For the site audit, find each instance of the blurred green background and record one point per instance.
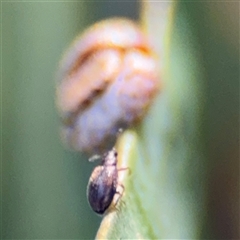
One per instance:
(43, 185)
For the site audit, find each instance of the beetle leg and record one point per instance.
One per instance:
(125, 168)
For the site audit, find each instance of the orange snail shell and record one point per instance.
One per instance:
(106, 81)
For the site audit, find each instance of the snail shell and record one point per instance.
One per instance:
(106, 81)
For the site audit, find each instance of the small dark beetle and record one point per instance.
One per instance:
(103, 182)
